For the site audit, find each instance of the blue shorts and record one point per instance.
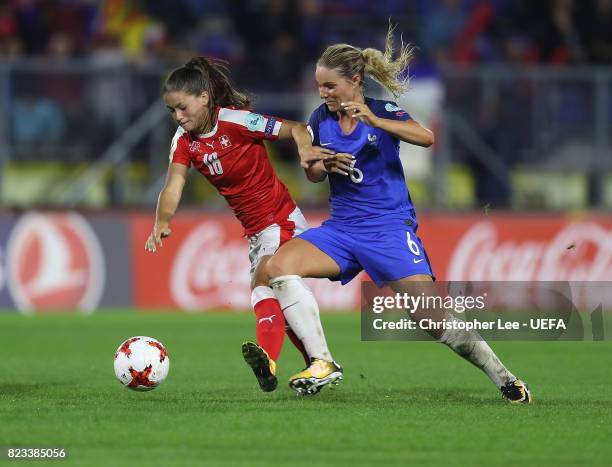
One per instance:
(385, 256)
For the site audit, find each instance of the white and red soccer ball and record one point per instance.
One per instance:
(141, 363)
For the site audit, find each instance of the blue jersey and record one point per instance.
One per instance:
(375, 196)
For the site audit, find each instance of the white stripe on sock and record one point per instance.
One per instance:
(259, 293)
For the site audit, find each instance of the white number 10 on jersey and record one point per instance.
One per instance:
(213, 163)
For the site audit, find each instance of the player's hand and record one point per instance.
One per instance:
(360, 111)
(160, 231)
(311, 154)
(340, 163)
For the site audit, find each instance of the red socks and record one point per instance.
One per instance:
(270, 324)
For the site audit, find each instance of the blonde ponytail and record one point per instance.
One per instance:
(387, 71)
(381, 67)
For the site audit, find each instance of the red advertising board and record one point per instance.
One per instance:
(204, 264)
(61, 261)
(519, 247)
(54, 263)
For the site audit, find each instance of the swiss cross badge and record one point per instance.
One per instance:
(225, 141)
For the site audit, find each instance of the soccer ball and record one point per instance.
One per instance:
(141, 363)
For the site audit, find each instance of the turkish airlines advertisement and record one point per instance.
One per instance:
(59, 261)
(62, 261)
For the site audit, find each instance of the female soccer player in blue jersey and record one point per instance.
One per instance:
(373, 223)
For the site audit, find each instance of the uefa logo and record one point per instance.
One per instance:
(54, 262)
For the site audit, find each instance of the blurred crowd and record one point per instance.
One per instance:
(268, 38)
(283, 36)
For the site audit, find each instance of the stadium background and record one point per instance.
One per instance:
(518, 94)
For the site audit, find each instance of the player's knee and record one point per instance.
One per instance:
(260, 276)
(258, 282)
(280, 266)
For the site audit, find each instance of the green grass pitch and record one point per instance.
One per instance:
(401, 403)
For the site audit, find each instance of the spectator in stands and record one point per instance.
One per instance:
(442, 25)
(11, 48)
(597, 33)
(37, 120)
(106, 94)
(274, 45)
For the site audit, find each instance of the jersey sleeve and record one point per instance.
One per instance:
(313, 126)
(178, 150)
(390, 110)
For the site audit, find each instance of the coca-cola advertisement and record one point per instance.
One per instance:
(519, 247)
(204, 265)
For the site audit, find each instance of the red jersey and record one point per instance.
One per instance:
(234, 159)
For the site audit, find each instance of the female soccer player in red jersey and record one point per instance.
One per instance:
(223, 140)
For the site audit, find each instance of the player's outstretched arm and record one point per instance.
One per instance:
(408, 131)
(316, 172)
(309, 154)
(167, 203)
(340, 163)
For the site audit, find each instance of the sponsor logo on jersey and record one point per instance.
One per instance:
(55, 262)
(225, 141)
(211, 145)
(255, 122)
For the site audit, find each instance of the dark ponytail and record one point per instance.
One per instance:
(210, 75)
